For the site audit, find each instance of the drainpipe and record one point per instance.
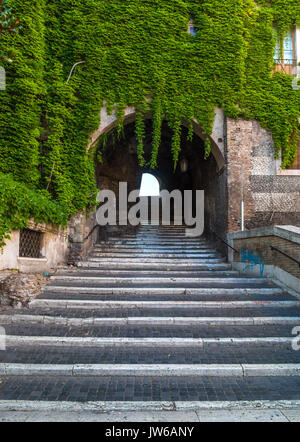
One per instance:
(73, 68)
(241, 166)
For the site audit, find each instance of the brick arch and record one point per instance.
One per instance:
(109, 121)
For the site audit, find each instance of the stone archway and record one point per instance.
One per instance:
(120, 163)
(217, 138)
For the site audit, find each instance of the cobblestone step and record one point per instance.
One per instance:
(246, 353)
(160, 297)
(145, 389)
(152, 312)
(151, 331)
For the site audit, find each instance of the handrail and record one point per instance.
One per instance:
(224, 242)
(86, 238)
(285, 254)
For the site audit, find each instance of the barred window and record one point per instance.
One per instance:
(30, 243)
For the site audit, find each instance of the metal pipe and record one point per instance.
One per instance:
(73, 68)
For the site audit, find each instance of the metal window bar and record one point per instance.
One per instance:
(30, 243)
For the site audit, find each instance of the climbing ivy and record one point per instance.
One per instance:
(135, 53)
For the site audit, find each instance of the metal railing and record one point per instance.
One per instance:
(224, 242)
(86, 238)
(285, 254)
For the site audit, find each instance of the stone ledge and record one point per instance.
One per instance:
(33, 265)
(290, 233)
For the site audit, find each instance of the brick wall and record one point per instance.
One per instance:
(269, 198)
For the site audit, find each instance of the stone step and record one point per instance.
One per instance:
(150, 273)
(63, 393)
(157, 351)
(154, 242)
(154, 248)
(164, 330)
(154, 255)
(144, 411)
(212, 344)
(219, 296)
(160, 370)
(152, 312)
(152, 265)
(167, 233)
(96, 305)
(162, 280)
(170, 291)
(170, 321)
(158, 260)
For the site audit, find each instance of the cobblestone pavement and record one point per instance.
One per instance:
(148, 389)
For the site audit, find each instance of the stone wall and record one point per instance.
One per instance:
(81, 237)
(54, 249)
(268, 243)
(270, 198)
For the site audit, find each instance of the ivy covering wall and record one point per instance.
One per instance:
(132, 50)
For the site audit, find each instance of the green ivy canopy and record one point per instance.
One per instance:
(131, 50)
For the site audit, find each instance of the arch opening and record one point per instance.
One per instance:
(149, 185)
(193, 171)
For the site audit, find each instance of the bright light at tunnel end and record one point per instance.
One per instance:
(133, 208)
(149, 185)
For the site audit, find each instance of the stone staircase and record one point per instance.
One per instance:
(152, 321)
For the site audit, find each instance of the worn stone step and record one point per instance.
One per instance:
(162, 290)
(152, 312)
(156, 238)
(158, 260)
(174, 297)
(171, 265)
(162, 280)
(149, 273)
(154, 255)
(95, 305)
(42, 343)
(151, 331)
(152, 392)
(154, 248)
(185, 244)
(160, 370)
(164, 352)
(155, 321)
